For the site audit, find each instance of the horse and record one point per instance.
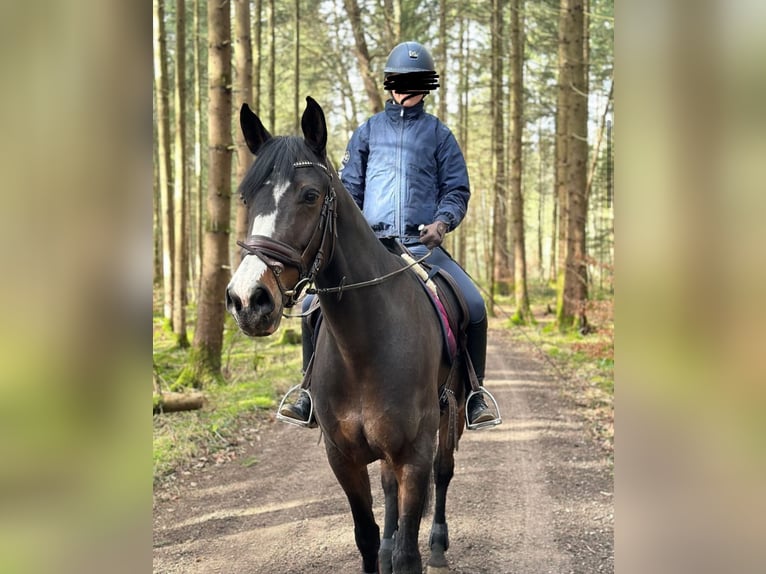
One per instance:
(379, 361)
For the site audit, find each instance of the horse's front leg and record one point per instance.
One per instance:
(355, 482)
(390, 492)
(413, 479)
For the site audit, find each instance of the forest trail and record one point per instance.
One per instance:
(531, 496)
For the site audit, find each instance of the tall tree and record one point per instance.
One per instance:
(501, 263)
(196, 194)
(205, 358)
(441, 59)
(297, 66)
(363, 56)
(272, 80)
(257, 56)
(180, 191)
(243, 58)
(163, 154)
(522, 313)
(573, 292)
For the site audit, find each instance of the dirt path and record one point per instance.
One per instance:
(532, 496)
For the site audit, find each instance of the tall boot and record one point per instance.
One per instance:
(301, 409)
(476, 344)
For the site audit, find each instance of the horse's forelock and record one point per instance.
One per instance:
(275, 161)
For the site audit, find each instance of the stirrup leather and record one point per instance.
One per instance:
(486, 424)
(280, 417)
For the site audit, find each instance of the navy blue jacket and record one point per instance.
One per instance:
(404, 168)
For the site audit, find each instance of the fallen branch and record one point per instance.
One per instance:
(171, 402)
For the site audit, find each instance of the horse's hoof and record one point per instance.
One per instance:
(385, 556)
(437, 558)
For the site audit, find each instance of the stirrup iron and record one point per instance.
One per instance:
(280, 417)
(486, 424)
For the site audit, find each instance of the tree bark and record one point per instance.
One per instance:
(363, 56)
(257, 56)
(297, 68)
(163, 153)
(574, 290)
(180, 235)
(272, 66)
(205, 357)
(196, 195)
(441, 60)
(522, 314)
(501, 275)
(243, 58)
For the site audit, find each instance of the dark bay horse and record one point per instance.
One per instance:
(379, 362)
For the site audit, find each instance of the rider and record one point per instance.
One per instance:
(407, 174)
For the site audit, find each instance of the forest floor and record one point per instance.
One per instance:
(531, 496)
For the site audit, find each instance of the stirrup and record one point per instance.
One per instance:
(292, 421)
(486, 424)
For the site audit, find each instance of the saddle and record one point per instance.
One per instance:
(451, 308)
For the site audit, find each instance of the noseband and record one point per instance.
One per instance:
(276, 254)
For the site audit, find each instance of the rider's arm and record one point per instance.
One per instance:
(454, 187)
(354, 167)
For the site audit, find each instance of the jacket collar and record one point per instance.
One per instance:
(395, 111)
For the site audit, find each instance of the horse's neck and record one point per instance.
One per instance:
(359, 256)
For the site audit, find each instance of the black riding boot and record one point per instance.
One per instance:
(301, 409)
(476, 345)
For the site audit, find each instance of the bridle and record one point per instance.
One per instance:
(277, 254)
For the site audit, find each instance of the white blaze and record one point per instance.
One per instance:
(252, 268)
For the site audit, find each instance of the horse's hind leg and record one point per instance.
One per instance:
(390, 488)
(355, 482)
(444, 469)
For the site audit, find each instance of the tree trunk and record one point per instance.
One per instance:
(163, 155)
(464, 70)
(441, 60)
(363, 56)
(180, 235)
(522, 313)
(196, 195)
(205, 357)
(272, 66)
(574, 290)
(257, 56)
(297, 68)
(501, 275)
(243, 58)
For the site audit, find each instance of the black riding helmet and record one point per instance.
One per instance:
(410, 70)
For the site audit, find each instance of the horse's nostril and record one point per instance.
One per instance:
(261, 300)
(233, 302)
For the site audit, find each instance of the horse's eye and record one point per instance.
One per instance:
(309, 195)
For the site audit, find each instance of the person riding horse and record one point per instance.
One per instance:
(407, 174)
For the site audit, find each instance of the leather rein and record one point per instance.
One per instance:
(277, 254)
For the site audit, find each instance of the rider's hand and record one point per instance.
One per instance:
(432, 235)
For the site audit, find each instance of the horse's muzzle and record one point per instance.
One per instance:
(256, 312)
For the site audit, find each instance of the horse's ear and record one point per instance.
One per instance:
(314, 126)
(255, 134)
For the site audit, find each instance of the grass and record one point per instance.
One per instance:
(256, 373)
